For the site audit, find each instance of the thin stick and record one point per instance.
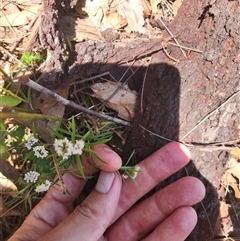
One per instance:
(27, 81)
(216, 148)
(187, 48)
(211, 113)
(88, 79)
(154, 134)
(143, 84)
(60, 178)
(168, 55)
(172, 36)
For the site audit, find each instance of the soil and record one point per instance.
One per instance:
(193, 98)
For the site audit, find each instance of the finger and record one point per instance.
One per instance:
(111, 160)
(153, 170)
(146, 215)
(177, 227)
(90, 219)
(56, 206)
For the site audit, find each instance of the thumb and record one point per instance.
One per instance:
(91, 218)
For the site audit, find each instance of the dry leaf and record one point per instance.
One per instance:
(235, 171)
(154, 5)
(79, 29)
(133, 11)
(235, 153)
(51, 107)
(123, 101)
(104, 15)
(231, 177)
(95, 10)
(20, 18)
(7, 186)
(44, 102)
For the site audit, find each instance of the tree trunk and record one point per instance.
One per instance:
(194, 100)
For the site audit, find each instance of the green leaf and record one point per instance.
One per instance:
(9, 101)
(18, 132)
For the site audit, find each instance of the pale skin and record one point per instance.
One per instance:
(109, 213)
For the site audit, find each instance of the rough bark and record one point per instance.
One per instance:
(174, 103)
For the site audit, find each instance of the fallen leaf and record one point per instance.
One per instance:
(235, 153)
(154, 5)
(20, 18)
(49, 106)
(231, 177)
(123, 101)
(44, 102)
(104, 14)
(7, 186)
(79, 29)
(133, 12)
(95, 10)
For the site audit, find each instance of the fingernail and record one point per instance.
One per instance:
(105, 181)
(110, 151)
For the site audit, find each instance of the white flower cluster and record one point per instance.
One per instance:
(43, 187)
(132, 173)
(65, 148)
(40, 151)
(31, 176)
(30, 142)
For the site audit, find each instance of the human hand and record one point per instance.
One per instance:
(109, 213)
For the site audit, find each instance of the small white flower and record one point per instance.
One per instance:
(79, 145)
(30, 142)
(43, 187)
(40, 151)
(131, 172)
(124, 176)
(31, 176)
(136, 169)
(64, 148)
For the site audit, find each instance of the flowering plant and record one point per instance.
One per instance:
(46, 161)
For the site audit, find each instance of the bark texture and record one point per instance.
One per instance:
(177, 97)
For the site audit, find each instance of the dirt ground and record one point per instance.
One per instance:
(183, 61)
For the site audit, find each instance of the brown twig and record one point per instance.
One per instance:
(187, 48)
(172, 37)
(168, 55)
(216, 148)
(27, 81)
(59, 175)
(86, 80)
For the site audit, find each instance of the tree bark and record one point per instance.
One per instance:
(174, 103)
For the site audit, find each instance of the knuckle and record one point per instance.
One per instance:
(87, 210)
